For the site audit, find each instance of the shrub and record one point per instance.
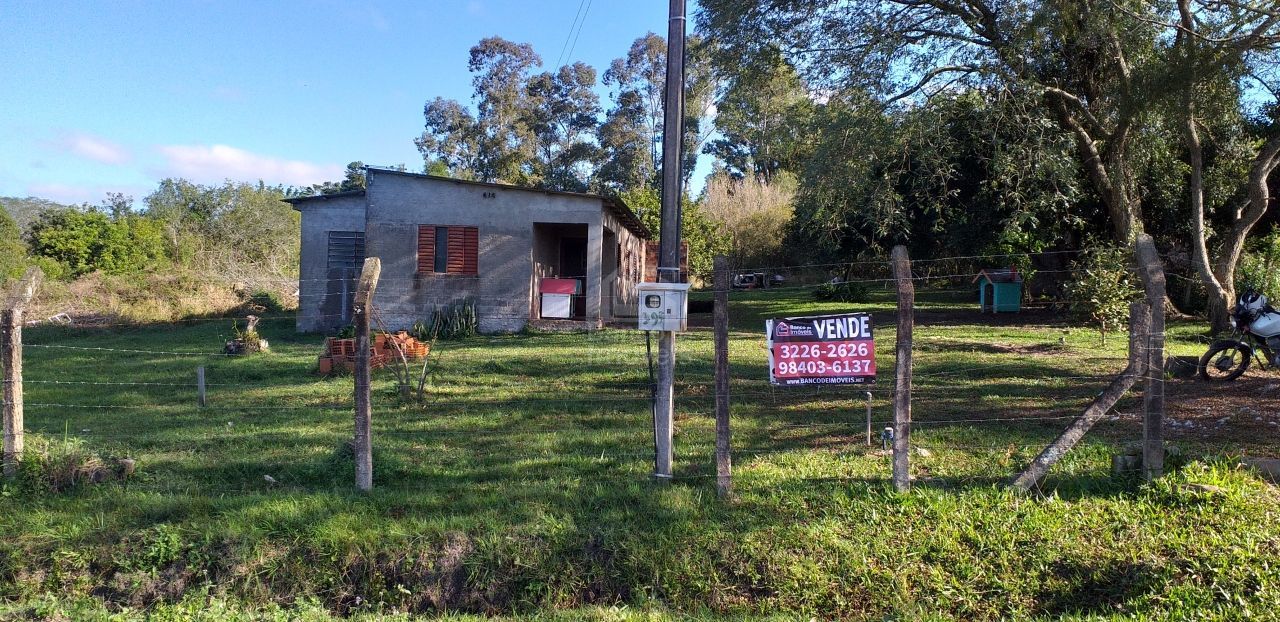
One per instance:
(1101, 287)
(842, 292)
(87, 241)
(1259, 268)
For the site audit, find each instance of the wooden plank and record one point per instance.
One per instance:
(361, 310)
(724, 467)
(902, 370)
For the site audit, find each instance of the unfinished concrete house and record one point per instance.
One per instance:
(521, 255)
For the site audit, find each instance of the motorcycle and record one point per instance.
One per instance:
(1257, 335)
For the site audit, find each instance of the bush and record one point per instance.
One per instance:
(842, 292)
(1260, 266)
(87, 241)
(1101, 287)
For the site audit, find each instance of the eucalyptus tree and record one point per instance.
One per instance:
(631, 135)
(562, 114)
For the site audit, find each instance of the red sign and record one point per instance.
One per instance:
(831, 349)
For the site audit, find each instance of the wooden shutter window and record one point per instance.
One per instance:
(426, 249)
(461, 250)
(464, 248)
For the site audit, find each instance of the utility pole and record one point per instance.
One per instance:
(669, 243)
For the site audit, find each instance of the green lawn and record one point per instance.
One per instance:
(522, 488)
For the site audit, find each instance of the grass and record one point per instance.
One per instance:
(522, 488)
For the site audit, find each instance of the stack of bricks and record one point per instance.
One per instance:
(341, 353)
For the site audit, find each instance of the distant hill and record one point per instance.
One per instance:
(23, 211)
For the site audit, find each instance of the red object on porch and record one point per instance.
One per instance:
(559, 286)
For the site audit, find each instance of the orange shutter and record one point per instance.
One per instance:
(470, 250)
(426, 249)
(463, 250)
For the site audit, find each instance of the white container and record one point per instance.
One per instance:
(557, 305)
(662, 306)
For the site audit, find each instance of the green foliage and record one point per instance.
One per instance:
(454, 321)
(704, 235)
(1260, 266)
(12, 249)
(842, 292)
(1101, 288)
(85, 241)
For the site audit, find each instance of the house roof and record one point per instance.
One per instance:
(612, 203)
(336, 195)
(999, 275)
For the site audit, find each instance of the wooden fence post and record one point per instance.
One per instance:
(902, 372)
(200, 390)
(11, 359)
(724, 466)
(1153, 395)
(360, 315)
(1139, 329)
(868, 418)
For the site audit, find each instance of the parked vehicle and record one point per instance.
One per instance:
(1257, 335)
(754, 280)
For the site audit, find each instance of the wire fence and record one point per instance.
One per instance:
(551, 398)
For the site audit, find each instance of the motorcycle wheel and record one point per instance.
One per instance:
(1225, 360)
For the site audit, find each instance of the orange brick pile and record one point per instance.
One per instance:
(342, 352)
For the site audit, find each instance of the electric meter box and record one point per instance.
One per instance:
(663, 306)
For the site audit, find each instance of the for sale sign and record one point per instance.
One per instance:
(827, 349)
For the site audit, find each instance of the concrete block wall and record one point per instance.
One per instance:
(398, 203)
(319, 296)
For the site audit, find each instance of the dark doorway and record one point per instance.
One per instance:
(573, 265)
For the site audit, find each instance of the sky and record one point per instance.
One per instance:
(115, 95)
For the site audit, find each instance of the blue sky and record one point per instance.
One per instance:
(114, 95)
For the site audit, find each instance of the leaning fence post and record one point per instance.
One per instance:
(902, 375)
(11, 359)
(1153, 395)
(1139, 328)
(360, 315)
(724, 466)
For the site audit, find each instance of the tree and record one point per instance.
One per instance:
(85, 241)
(631, 138)
(562, 113)
(763, 117)
(451, 141)
(500, 69)
(1089, 64)
(1218, 47)
(13, 251)
(696, 227)
(236, 230)
(1106, 71)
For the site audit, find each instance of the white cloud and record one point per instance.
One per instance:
(72, 194)
(214, 163)
(94, 148)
